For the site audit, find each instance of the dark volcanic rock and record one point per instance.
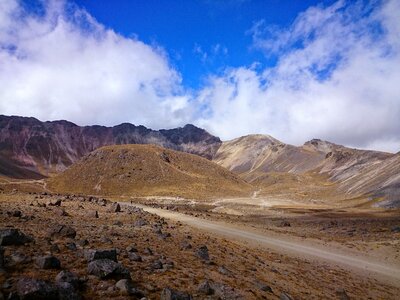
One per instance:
(170, 294)
(93, 214)
(1, 258)
(28, 288)
(54, 202)
(91, 254)
(62, 231)
(205, 288)
(125, 286)
(115, 207)
(106, 268)
(13, 237)
(69, 277)
(134, 257)
(202, 252)
(285, 296)
(342, 295)
(48, 262)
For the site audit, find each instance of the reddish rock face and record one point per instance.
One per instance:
(30, 148)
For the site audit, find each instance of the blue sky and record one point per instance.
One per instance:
(201, 37)
(296, 70)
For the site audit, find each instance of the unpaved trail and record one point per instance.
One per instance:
(355, 262)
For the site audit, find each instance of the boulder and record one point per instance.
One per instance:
(1, 258)
(202, 252)
(93, 214)
(115, 207)
(285, 296)
(29, 288)
(170, 294)
(54, 202)
(205, 288)
(48, 262)
(91, 254)
(58, 211)
(13, 236)
(342, 295)
(125, 286)
(134, 257)
(63, 231)
(140, 223)
(69, 277)
(107, 268)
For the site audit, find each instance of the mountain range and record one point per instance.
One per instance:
(30, 148)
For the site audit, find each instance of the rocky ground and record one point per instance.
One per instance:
(72, 247)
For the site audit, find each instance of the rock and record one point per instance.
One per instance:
(13, 237)
(83, 242)
(48, 262)
(18, 258)
(202, 252)
(54, 248)
(157, 265)
(93, 214)
(396, 229)
(69, 277)
(185, 245)
(62, 231)
(71, 246)
(1, 257)
(28, 288)
(106, 240)
(125, 286)
(115, 207)
(263, 287)
(148, 251)
(140, 223)
(170, 294)
(285, 296)
(60, 212)
(67, 292)
(284, 224)
(118, 223)
(224, 271)
(342, 295)
(205, 288)
(91, 254)
(54, 202)
(131, 249)
(134, 257)
(16, 214)
(107, 268)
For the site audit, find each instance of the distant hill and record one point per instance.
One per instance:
(330, 169)
(148, 170)
(30, 148)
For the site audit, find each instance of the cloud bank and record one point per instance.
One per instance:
(336, 76)
(63, 64)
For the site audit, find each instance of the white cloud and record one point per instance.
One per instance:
(337, 78)
(65, 65)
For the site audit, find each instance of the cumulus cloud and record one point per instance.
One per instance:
(337, 78)
(60, 63)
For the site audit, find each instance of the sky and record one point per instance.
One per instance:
(295, 70)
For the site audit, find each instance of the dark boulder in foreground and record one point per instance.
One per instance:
(92, 254)
(29, 288)
(62, 231)
(170, 294)
(13, 236)
(48, 262)
(107, 268)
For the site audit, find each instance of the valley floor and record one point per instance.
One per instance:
(250, 256)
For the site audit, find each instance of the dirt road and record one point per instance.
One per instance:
(352, 261)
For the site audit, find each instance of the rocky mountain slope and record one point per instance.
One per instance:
(148, 170)
(259, 158)
(30, 148)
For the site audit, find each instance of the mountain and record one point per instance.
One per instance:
(148, 170)
(317, 165)
(30, 148)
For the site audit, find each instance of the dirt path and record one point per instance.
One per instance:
(356, 262)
